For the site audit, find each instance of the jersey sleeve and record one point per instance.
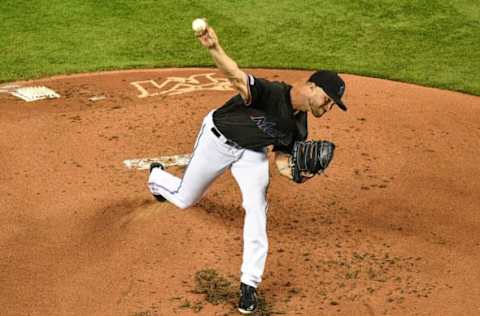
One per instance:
(257, 88)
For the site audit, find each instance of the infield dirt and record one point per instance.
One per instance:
(391, 229)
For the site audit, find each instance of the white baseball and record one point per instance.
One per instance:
(199, 25)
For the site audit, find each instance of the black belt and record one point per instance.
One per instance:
(227, 141)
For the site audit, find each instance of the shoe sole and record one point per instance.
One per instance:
(159, 198)
(245, 312)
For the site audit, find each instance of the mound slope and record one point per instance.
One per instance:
(392, 228)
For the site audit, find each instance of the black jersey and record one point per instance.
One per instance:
(269, 119)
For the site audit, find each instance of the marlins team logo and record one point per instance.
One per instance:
(182, 85)
(267, 127)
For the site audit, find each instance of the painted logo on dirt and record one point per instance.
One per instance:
(181, 85)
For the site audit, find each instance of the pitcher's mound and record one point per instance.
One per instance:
(392, 228)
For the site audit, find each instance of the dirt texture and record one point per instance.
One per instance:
(391, 229)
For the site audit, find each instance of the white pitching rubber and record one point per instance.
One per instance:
(166, 161)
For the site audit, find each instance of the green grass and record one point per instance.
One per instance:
(433, 43)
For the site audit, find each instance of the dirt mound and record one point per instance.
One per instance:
(391, 229)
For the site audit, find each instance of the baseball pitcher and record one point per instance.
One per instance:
(236, 135)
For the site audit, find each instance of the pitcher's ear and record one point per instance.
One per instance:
(311, 85)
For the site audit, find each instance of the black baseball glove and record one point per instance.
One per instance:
(309, 158)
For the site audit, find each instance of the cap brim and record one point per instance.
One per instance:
(340, 104)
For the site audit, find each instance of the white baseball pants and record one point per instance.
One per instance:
(210, 158)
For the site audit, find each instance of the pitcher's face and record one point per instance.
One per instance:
(318, 101)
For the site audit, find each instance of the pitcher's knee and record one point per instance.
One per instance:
(257, 245)
(264, 244)
(259, 204)
(184, 203)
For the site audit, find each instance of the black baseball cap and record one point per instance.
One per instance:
(332, 84)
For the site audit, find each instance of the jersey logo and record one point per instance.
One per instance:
(267, 127)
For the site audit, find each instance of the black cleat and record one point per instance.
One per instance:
(154, 165)
(248, 299)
